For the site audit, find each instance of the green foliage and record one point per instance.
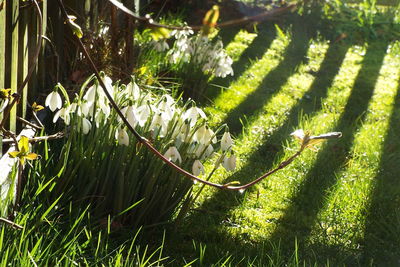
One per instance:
(362, 21)
(103, 165)
(57, 233)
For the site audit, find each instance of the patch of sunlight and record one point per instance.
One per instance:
(247, 82)
(274, 197)
(239, 44)
(342, 221)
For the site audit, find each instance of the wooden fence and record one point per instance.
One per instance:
(18, 40)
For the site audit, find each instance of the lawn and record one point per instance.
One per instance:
(337, 205)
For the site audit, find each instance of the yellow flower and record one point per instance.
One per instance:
(36, 107)
(23, 151)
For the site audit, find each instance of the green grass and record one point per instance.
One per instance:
(336, 206)
(339, 205)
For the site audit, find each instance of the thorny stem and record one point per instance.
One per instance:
(147, 143)
(149, 21)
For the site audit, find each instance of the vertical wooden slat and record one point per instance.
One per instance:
(2, 52)
(13, 27)
(41, 60)
(32, 41)
(23, 59)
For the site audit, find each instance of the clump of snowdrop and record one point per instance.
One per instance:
(195, 58)
(178, 130)
(200, 51)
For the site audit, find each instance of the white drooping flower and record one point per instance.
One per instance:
(158, 125)
(192, 115)
(229, 163)
(133, 89)
(130, 115)
(226, 141)
(197, 168)
(209, 151)
(173, 155)
(205, 135)
(53, 101)
(86, 126)
(90, 94)
(224, 66)
(84, 108)
(108, 83)
(143, 113)
(122, 136)
(161, 45)
(167, 109)
(64, 114)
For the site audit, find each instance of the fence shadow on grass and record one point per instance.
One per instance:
(254, 51)
(295, 55)
(318, 90)
(311, 194)
(382, 233)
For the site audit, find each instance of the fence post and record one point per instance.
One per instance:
(2, 53)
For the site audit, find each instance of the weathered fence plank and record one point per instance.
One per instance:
(2, 52)
(12, 27)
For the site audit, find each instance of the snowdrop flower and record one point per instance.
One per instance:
(205, 135)
(192, 114)
(84, 108)
(130, 115)
(53, 101)
(161, 45)
(86, 126)
(108, 83)
(224, 66)
(64, 114)
(105, 108)
(197, 168)
(173, 155)
(182, 33)
(90, 95)
(122, 136)
(143, 113)
(226, 141)
(158, 124)
(209, 151)
(134, 90)
(183, 134)
(200, 150)
(167, 109)
(229, 163)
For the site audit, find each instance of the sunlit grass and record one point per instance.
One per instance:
(337, 195)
